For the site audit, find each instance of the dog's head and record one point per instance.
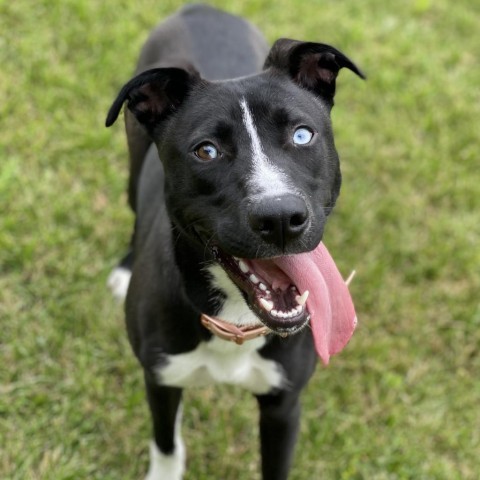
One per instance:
(250, 165)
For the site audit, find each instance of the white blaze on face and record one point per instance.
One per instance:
(265, 178)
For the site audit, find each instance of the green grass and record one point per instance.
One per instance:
(401, 402)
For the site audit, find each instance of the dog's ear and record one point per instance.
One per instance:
(153, 94)
(313, 66)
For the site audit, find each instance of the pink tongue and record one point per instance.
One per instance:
(333, 318)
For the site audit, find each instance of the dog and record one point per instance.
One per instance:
(233, 174)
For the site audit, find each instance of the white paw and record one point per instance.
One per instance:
(166, 467)
(118, 282)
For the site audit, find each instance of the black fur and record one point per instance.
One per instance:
(185, 205)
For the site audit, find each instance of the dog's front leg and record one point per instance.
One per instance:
(279, 422)
(167, 451)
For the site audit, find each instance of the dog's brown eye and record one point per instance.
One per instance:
(206, 151)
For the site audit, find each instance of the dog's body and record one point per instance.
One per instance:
(247, 177)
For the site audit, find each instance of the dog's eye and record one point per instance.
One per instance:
(206, 151)
(302, 136)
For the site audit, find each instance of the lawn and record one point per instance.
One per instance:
(403, 399)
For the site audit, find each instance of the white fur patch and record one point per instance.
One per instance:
(234, 310)
(265, 179)
(219, 361)
(172, 466)
(118, 282)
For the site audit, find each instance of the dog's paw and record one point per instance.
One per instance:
(118, 282)
(164, 466)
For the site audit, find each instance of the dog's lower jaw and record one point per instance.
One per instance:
(278, 305)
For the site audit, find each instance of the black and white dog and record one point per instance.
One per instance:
(233, 173)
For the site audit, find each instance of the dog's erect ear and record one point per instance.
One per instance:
(313, 66)
(154, 94)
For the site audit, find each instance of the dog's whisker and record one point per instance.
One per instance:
(207, 245)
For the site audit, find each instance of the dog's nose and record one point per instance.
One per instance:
(279, 219)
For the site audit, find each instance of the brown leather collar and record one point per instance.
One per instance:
(230, 332)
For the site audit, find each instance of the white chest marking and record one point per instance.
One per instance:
(219, 361)
(266, 179)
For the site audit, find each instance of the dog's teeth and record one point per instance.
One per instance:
(262, 286)
(254, 279)
(301, 300)
(243, 266)
(268, 306)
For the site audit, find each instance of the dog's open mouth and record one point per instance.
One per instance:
(273, 296)
(289, 291)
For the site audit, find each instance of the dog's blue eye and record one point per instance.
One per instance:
(302, 136)
(206, 151)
